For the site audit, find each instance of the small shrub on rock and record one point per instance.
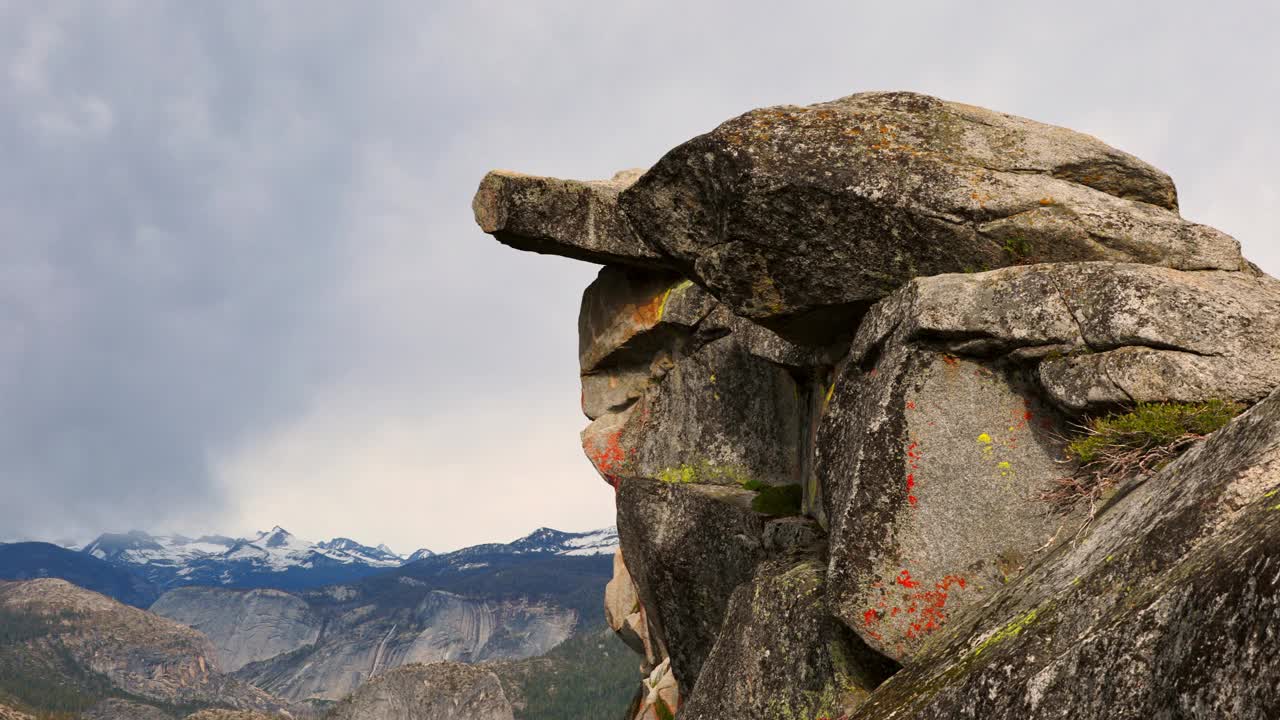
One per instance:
(1120, 446)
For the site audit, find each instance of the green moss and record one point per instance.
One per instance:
(1008, 632)
(682, 474)
(664, 712)
(778, 500)
(702, 471)
(1151, 426)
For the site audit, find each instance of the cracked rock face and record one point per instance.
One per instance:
(1166, 608)
(786, 211)
(680, 390)
(781, 654)
(1108, 334)
(688, 547)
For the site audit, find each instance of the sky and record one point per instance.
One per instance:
(241, 285)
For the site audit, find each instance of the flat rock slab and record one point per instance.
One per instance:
(1166, 608)
(787, 211)
(572, 218)
(781, 655)
(1156, 334)
(1104, 334)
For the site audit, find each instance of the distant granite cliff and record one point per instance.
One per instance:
(489, 602)
(919, 410)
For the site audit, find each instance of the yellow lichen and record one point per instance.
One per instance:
(1008, 632)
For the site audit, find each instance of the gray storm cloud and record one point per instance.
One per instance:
(239, 280)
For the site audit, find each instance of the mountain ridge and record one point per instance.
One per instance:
(136, 567)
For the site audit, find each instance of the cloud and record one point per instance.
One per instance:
(240, 284)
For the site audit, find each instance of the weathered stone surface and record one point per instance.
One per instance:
(573, 218)
(1104, 333)
(781, 655)
(626, 616)
(620, 598)
(1166, 608)
(244, 625)
(814, 301)
(631, 323)
(927, 471)
(794, 536)
(766, 344)
(688, 546)
(1159, 334)
(717, 414)
(790, 214)
(659, 696)
(440, 691)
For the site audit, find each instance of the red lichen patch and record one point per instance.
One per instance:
(913, 458)
(932, 606)
(927, 607)
(608, 459)
(951, 360)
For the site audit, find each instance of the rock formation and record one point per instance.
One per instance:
(832, 366)
(365, 635)
(149, 658)
(245, 626)
(440, 691)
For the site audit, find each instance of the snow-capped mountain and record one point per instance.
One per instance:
(543, 541)
(421, 554)
(273, 558)
(596, 542)
(276, 558)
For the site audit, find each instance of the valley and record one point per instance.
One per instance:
(528, 610)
